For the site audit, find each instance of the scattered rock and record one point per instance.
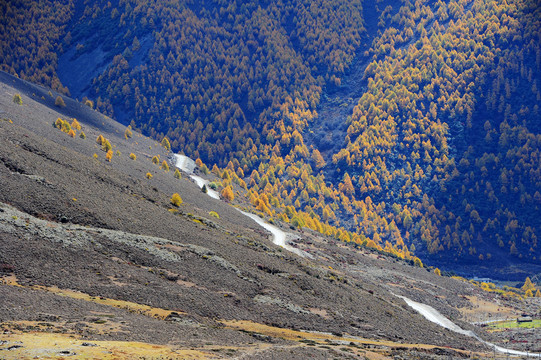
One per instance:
(173, 317)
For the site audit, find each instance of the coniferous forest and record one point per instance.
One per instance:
(433, 108)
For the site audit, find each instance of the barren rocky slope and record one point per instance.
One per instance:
(93, 251)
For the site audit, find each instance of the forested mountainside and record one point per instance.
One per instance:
(440, 155)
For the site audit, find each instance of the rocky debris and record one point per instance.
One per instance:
(263, 299)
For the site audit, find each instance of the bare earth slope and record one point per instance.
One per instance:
(93, 252)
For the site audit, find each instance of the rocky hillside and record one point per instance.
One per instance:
(97, 260)
(412, 127)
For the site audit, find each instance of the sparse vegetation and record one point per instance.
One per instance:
(59, 102)
(214, 214)
(17, 99)
(64, 126)
(82, 135)
(227, 194)
(176, 200)
(165, 166)
(75, 125)
(128, 133)
(109, 155)
(156, 160)
(177, 174)
(166, 144)
(133, 156)
(148, 175)
(106, 145)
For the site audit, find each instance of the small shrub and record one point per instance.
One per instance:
(58, 123)
(166, 144)
(100, 139)
(215, 214)
(82, 135)
(89, 103)
(205, 169)
(176, 200)
(17, 99)
(62, 125)
(71, 133)
(165, 166)
(227, 194)
(118, 153)
(59, 102)
(50, 93)
(149, 175)
(106, 145)
(109, 155)
(128, 133)
(156, 160)
(66, 127)
(95, 156)
(177, 174)
(204, 189)
(75, 125)
(132, 156)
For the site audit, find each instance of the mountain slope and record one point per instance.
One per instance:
(99, 252)
(443, 139)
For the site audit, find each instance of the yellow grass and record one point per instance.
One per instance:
(49, 346)
(121, 304)
(323, 338)
(485, 307)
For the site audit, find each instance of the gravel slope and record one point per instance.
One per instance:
(74, 222)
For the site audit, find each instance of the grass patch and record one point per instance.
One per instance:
(513, 324)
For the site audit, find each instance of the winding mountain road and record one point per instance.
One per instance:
(279, 237)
